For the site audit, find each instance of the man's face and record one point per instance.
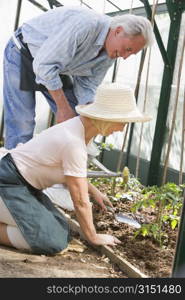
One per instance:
(118, 44)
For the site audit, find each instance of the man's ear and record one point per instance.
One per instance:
(119, 29)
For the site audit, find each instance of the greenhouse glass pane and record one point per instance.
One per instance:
(174, 157)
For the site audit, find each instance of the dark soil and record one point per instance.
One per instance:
(144, 253)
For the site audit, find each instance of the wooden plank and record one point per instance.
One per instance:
(123, 264)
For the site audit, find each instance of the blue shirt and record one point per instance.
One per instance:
(68, 40)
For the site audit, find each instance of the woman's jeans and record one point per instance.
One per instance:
(19, 105)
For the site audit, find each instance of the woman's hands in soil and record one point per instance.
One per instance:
(101, 199)
(106, 239)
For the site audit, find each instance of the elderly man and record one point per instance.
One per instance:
(70, 50)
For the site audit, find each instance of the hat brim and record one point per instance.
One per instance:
(91, 112)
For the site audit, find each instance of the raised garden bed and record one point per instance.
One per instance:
(148, 251)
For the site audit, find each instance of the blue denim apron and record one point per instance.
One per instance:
(44, 228)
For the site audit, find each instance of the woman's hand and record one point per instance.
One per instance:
(101, 199)
(79, 189)
(105, 239)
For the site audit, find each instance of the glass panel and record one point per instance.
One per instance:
(156, 67)
(174, 157)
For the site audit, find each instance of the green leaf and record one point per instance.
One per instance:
(173, 223)
(144, 231)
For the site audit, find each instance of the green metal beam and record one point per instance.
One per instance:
(175, 11)
(18, 11)
(181, 6)
(139, 11)
(113, 4)
(38, 5)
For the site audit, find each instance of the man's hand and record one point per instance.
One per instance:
(64, 113)
(64, 110)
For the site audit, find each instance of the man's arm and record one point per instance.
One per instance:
(86, 86)
(64, 110)
(78, 187)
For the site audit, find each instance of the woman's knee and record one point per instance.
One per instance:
(4, 239)
(12, 237)
(16, 238)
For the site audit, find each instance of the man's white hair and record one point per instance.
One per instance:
(134, 25)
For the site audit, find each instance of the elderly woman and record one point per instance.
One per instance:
(29, 220)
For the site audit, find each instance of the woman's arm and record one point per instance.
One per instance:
(101, 199)
(78, 188)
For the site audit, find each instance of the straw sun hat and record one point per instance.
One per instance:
(113, 103)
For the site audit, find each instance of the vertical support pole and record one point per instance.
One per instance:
(115, 71)
(136, 96)
(113, 80)
(17, 14)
